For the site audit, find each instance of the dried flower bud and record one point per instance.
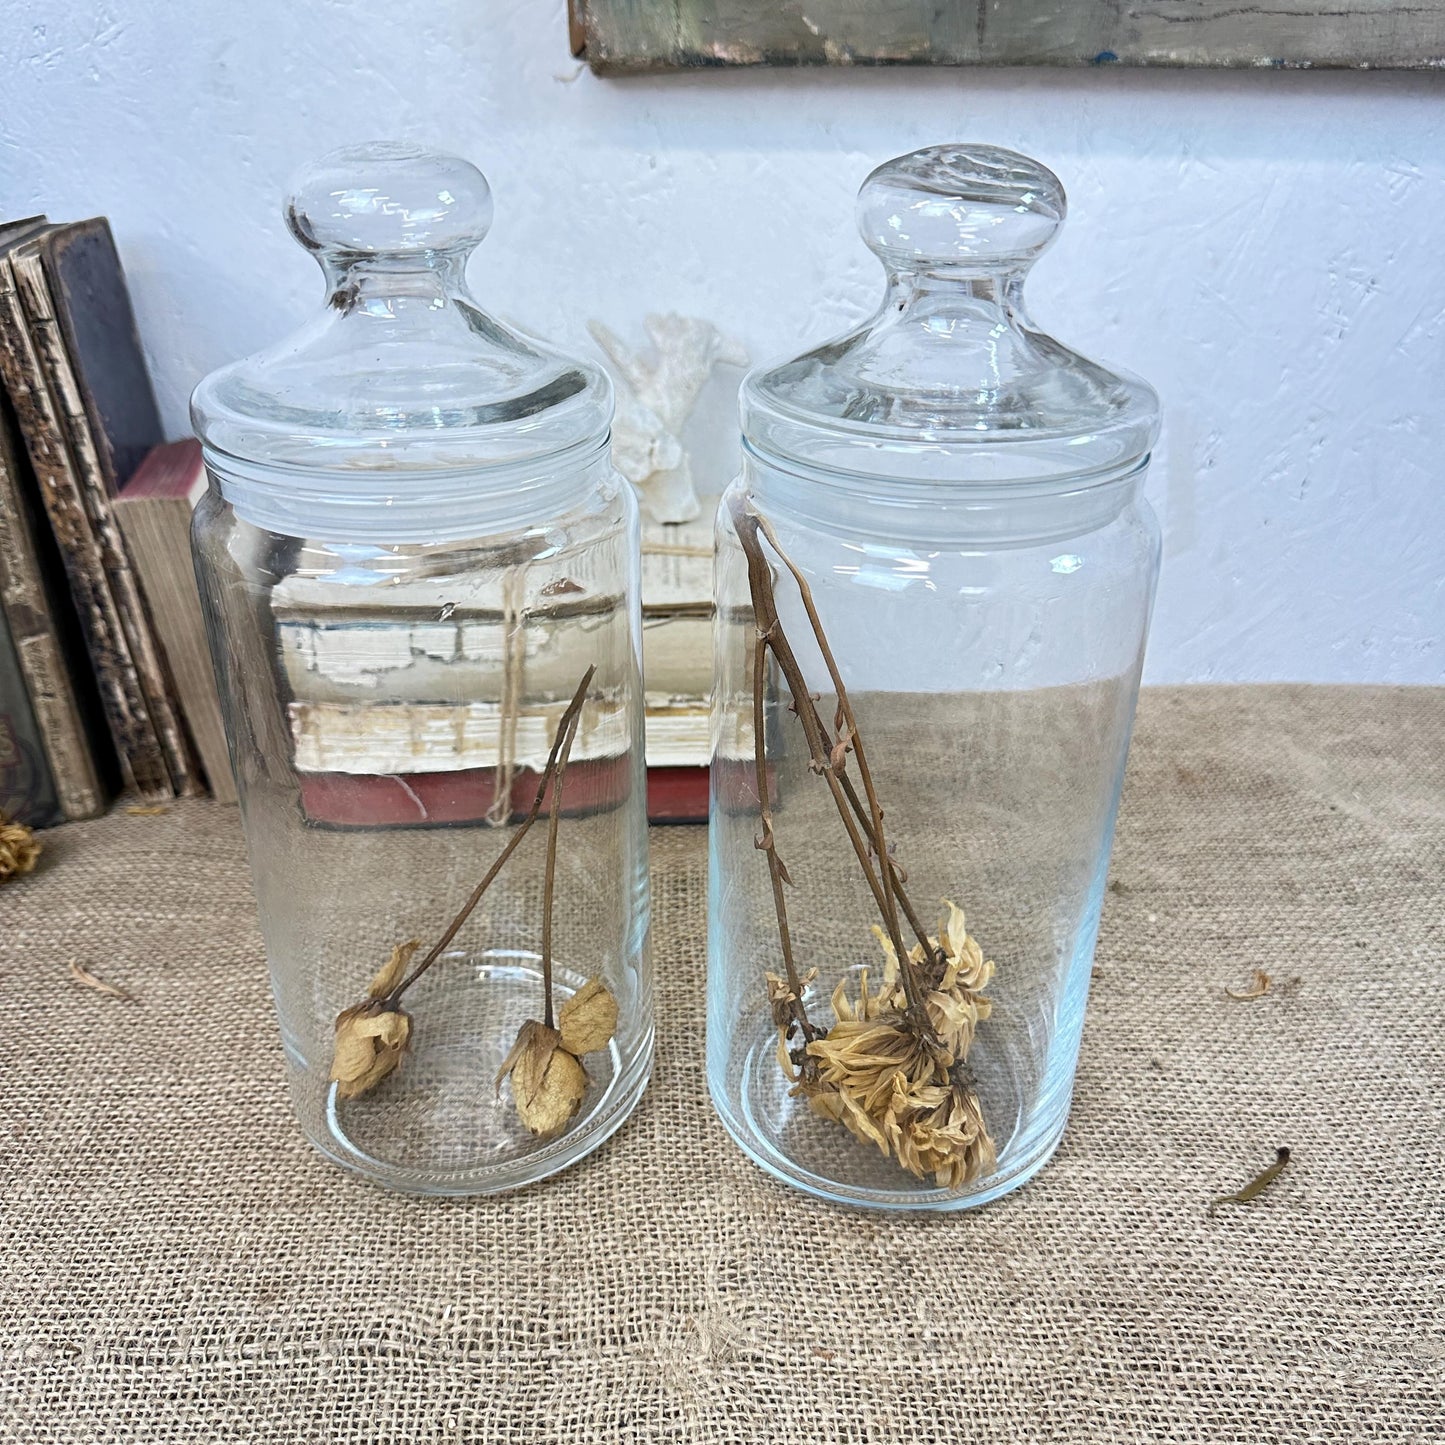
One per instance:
(393, 970)
(370, 1042)
(19, 848)
(547, 1081)
(588, 1019)
(781, 997)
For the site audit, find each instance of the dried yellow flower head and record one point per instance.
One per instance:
(548, 1083)
(370, 1042)
(956, 973)
(19, 848)
(587, 1021)
(939, 1130)
(894, 1084)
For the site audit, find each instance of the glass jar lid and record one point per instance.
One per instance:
(403, 385)
(950, 382)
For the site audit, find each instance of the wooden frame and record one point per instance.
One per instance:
(621, 36)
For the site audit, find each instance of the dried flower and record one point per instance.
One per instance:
(956, 973)
(548, 1080)
(783, 998)
(587, 1021)
(370, 1041)
(891, 1069)
(372, 1037)
(19, 848)
(939, 1130)
(548, 1083)
(898, 1086)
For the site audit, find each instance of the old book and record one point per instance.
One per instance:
(27, 788)
(439, 640)
(679, 748)
(677, 566)
(48, 650)
(468, 796)
(91, 305)
(677, 608)
(154, 510)
(416, 764)
(77, 309)
(142, 761)
(677, 665)
(410, 737)
(677, 657)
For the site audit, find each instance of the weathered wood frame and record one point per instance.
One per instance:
(621, 36)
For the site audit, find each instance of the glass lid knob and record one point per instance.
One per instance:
(389, 199)
(971, 207)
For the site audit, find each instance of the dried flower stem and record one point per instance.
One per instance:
(828, 757)
(565, 727)
(569, 728)
(768, 842)
(846, 724)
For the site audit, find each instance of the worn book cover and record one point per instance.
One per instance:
(154, 511)
(142, 763)
(27, 790)
(92, 308)
(35, 604)
(100, 384)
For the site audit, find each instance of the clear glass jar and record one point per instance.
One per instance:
(958, 499)
(413, 555)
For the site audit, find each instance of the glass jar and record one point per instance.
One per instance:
(420, 574)
(934, 582)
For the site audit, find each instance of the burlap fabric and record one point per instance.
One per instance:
(177, 1266)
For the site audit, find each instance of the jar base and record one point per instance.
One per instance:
(450, 1132)
(784, 1137)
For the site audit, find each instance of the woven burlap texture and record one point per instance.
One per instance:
(176, 1265)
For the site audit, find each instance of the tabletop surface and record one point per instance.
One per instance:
(176, 1265)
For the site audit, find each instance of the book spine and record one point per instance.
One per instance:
(133, 617)
(157, 531)
(24, 605)
(142, 763)
(27, 786)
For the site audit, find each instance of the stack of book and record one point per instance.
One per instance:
(89, 694)
(414, 700)
(677, 665)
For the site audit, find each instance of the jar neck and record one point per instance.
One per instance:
(412, 506)
(988, 515)
(379, 284)
(967, 290)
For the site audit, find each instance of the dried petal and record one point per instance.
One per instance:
(588, 1019)
(370, 1042)
(547, 1082)
(781, 996)
(1259, 982)
(19, 849)
(84, 976)
(393, 970)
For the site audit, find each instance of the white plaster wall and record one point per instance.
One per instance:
(1265, 247)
